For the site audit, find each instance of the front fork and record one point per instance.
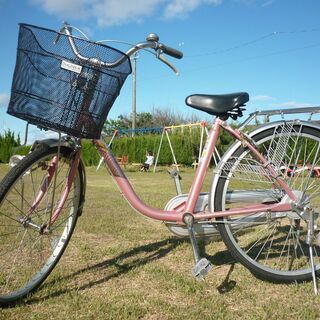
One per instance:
(69, 181)
(50, 178)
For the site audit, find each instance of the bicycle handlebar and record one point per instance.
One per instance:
(151, 43)
(171, 51)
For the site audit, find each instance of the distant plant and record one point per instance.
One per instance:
(90, 154)
(8, 144)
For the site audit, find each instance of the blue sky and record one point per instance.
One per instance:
(269, 48)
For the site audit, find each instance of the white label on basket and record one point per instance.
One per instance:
(71, 66)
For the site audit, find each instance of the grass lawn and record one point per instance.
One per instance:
(120, 265)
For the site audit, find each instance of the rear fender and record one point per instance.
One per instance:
(237, 144)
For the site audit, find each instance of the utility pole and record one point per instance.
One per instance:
(134, 91)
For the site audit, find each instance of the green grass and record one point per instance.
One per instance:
(120, 265)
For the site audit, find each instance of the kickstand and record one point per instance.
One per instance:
(202, 265)
(176, 177)
(314, 276)
(310, 243)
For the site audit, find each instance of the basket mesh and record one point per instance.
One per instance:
(53, 89)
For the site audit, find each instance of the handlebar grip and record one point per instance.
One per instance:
(171, 51)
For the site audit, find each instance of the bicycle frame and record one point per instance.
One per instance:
(188, 207)
(273, 220)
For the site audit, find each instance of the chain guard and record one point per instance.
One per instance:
(208, 229)
(203, 229)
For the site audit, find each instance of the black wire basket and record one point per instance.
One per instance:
(53, 89)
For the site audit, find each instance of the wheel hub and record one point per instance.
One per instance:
(301, 209)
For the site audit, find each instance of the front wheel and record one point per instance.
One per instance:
(273, 246)
(28, 251)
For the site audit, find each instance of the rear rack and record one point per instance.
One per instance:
(280, 112)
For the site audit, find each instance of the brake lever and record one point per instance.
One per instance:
(171, 66)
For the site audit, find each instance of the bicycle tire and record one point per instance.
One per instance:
(272, 246)
(29, 255)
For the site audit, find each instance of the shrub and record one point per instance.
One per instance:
(185, 145)
(8, 144)
(90, 154)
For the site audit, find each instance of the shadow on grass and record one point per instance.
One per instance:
(227, 285)
(125, 262)
(219, 259)
(132, 259)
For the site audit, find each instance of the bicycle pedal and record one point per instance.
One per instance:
(201, 269)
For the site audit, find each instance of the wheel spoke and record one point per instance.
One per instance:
(263, 232)
(13, 262)
(27, 252)
(266, 241)
(274, 247)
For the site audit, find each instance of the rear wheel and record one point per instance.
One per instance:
(28, 251)
(273, 246)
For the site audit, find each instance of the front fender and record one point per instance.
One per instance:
(52, 142)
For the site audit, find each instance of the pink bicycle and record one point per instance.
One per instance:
(266, 217)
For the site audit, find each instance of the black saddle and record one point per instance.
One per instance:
(220, 105)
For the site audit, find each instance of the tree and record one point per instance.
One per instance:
(159, 117)
(143, 120)
(111, 125)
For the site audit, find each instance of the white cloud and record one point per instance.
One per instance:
(294, 104)
(256, 3)
(37, 134)
(65, 9)
(180, 8)
(115, 12)
(268, 3)
(4, 100)
(261, 98)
